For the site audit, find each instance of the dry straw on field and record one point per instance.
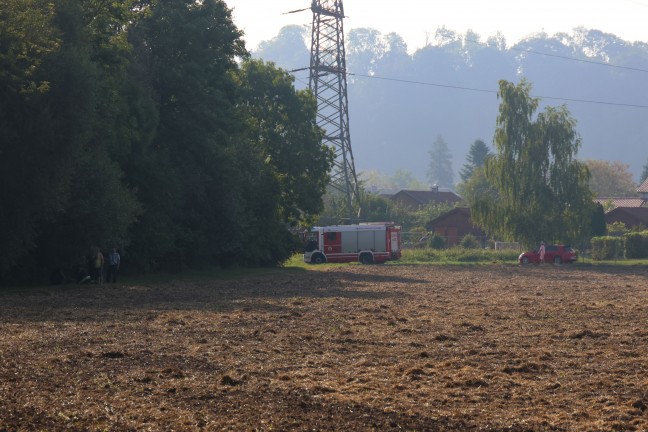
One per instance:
(348, 348)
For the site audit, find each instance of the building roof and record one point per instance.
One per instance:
(621, 202)
(633, 215)
(643, 188)
(424, 197)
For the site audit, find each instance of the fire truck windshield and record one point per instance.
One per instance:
(311, 241)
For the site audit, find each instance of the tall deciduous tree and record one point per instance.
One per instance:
(185, 55)
(33, 171)
(610, 178)
(100, 207)
(542, 191)
(440, 168)
(281, 123)
(286, 163)
(59, 185)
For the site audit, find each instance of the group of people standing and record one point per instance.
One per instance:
(96, 263)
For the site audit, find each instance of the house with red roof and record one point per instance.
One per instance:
(642, 190)
(610, 203)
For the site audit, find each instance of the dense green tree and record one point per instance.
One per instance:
(376, 208)
(185, 54)
(33, 171)
(440, 168)
(133, 124)
(54, 150)
(288, 164)
(280, 120)
(99, 212)
(597, 222)
(541, 189)
(100, 208)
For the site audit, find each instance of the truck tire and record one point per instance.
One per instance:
(318, 259)
(366, 258)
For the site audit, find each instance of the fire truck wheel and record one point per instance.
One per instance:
(318, 259)
(366, 258)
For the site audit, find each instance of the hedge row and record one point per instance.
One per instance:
(636, 245)
(630, 245)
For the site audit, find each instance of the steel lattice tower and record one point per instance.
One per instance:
(328, 84)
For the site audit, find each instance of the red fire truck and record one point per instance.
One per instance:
(368, 243)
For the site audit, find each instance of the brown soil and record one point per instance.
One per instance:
(354, 348)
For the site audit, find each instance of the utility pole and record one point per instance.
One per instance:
(328, 84)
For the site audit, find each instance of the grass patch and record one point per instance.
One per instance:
(425, 256)
(458, 256)
(619, 262)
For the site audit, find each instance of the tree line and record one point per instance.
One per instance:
(145, 125)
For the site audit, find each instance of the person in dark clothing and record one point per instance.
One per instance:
(114, 259)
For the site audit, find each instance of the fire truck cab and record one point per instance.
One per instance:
(367, 243)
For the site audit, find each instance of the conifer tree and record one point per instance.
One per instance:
(440, 169)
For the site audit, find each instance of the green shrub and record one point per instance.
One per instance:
(617, 229)
(436, 242)
(607, 247)
(458, 255)
(636, 244)
(469, 241)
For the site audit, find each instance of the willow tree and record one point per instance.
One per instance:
(539, 191)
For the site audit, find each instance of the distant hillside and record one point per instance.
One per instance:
(399, 103)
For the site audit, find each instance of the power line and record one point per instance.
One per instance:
(473, 89)
(422, 83)
(494, 91)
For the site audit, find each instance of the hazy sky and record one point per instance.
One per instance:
(415, 20)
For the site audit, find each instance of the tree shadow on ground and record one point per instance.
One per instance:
(264, 293)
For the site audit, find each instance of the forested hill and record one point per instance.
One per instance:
(143, 125)
(400, 103)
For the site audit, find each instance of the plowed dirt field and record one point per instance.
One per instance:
(352, 348)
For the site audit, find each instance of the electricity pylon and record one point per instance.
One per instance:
(328, 84)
